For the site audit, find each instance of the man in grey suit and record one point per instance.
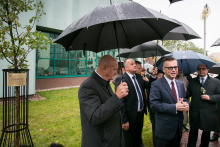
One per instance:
(99, 106)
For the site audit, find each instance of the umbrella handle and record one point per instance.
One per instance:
(149, 71)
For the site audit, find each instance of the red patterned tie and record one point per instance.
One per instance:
(174, 91)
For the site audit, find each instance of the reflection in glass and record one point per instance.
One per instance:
(61, 67)
(72, 54)
(80, 67)
(90, 66)
(45, 68)
(80, 55)
(61, 52)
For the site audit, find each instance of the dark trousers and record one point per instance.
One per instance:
(193, 136)
(175, 142)
(133, 137)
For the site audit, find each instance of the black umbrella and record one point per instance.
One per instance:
(173, 1)
(216, 43)
(183, 32)
(123, 25)
(144, 50)
(215, 69)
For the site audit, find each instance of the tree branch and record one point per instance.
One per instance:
(6, 56)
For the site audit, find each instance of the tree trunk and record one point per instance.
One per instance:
(17, 115)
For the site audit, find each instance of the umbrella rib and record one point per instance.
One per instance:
(125, 34)
(99, 37)
(153, 29)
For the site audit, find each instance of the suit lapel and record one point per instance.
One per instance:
(128, 79)
(178, 87)
(167, 87)
(206, 81)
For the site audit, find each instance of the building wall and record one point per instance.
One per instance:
(215, 56)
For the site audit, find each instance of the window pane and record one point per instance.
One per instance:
(72, 67)
(112, 53)
(61, 67)
(44, 67)
(60, 52)
(72, 54)
(80, 55)
(90, 66)
(99, 55)
(80, 67)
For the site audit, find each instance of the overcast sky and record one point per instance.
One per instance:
(189, 12)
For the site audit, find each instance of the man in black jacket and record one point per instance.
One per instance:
(135, 104)
(205, 96)
(99, 107)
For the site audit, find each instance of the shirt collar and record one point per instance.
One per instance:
(203, 77)
(98, 74)
(130, 75)
(168, 80)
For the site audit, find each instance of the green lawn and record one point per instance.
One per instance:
(57, 119)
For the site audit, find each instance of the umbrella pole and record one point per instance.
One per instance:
(118, 50)
(156, 55)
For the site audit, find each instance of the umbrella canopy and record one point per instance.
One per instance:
(216, 43)
(187, 61)
(173, 1)
(183, 32)
(144, 50)
(215, 69)
(123, 25)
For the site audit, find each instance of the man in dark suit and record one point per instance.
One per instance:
(99, 107)
(135, 104)
(166, 99)
(205, 96)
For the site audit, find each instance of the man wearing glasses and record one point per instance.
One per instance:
(167, 100)
(205, 94)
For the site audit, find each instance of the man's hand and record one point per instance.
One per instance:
(154, 71)
(125, 126)
(205, 97)
(182, 106)
(122, 90)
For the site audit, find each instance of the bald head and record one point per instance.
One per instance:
(107, 67)
(106, 61)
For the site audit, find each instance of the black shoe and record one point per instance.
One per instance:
(213, 138)
(186, 128)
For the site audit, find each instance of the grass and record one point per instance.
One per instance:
(57, 119)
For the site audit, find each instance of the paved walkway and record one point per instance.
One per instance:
(185, 140)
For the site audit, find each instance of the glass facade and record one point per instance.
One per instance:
(55, 62)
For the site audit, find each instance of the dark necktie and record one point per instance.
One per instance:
(139, 93)
(173, 90)
(202, 81)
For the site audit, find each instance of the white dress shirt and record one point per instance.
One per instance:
(175, 86)
(204, 79)
(130, 75)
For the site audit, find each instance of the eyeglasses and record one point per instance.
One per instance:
(201, 69)
(172, 67)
